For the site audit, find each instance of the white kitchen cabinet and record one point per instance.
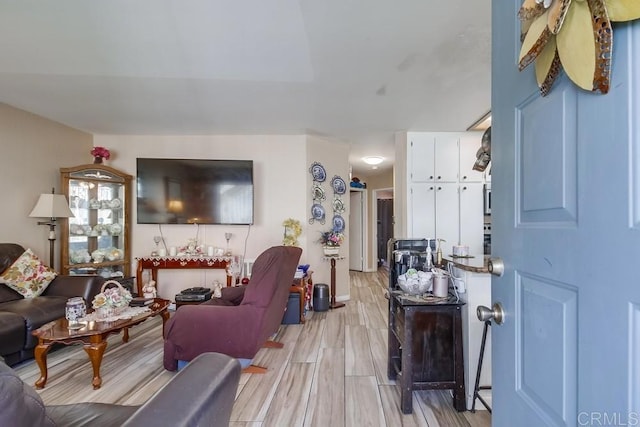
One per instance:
(442, 202)
(421, 160)
(447, 157)
(469, 144)
(471, 216)
(433, 157)
(422, 205)
(447, 214)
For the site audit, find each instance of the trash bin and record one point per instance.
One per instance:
(320, 297)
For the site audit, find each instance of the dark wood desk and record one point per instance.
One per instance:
(425, 348)
(178, 263)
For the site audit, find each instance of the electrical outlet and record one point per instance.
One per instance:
(460, 286)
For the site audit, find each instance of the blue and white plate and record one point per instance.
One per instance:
(338, 184)
(317, 213)
(338, 223)
(317, 172)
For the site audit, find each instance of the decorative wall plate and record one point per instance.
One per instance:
(317, 172)
(317, 214)
(338, 223)
(338, 206)
(318, 193)
(338, 184)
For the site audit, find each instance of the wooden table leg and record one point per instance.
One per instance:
(125, 335)
(40, 353)
(95, 350)
(165, 316)
(300, 291)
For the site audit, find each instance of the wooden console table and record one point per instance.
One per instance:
(425, 347)
(181, 263)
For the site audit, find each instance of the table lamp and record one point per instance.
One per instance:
(51, 206)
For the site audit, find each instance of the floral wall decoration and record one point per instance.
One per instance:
(574, 35)
(292, 230)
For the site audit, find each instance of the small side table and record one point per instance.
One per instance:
(301, 286)
(332, 289)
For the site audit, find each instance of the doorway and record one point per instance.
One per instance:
(357, 236)
(384, 224)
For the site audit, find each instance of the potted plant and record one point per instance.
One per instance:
(331, 241)
(100, 153)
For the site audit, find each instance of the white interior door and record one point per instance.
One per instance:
(566, 223)
(356, 231)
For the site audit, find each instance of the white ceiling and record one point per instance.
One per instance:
(357, 70)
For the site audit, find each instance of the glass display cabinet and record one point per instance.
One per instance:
(97, 239)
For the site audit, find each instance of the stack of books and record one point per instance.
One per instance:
(140, 302)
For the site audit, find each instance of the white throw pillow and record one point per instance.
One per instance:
(28, 275)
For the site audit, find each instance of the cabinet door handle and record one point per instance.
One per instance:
(439, 188)
(431, 177)
(464, 188)
(439, 177)
(464, 177)
(430, 188)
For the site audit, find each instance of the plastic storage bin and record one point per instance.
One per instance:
(292, 315)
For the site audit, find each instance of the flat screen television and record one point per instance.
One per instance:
(194, 191)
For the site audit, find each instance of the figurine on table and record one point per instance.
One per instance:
(149, 290)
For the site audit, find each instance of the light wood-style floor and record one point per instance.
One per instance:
(331, 372)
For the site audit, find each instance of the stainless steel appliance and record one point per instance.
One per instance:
(487, 199)
(405, 254)
(487, 238)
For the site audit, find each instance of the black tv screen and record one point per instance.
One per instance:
(194, 191)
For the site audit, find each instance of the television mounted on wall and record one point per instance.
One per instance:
(194, 191)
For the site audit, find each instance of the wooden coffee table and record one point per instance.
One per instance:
(93, 337)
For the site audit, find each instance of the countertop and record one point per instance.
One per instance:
(474, 264)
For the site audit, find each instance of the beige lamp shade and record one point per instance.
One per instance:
(51, 206)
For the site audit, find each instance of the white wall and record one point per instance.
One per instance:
(282, 191)
(334, 156)
(33, 151)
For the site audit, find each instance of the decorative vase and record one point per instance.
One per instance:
(97, 160)
(331, 250)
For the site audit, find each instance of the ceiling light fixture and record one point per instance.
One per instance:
(373, 160)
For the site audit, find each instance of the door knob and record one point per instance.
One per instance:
(496, 266)
(495, 313)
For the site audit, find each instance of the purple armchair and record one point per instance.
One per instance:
(236, 330)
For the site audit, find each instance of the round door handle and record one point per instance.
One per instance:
(430, 188)
(439, 188)
(495, 313)
(464, 177)
(431, 177)
(464, 188)
(439, 177)
(496, 266)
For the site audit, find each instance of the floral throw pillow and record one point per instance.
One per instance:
(28, 275)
